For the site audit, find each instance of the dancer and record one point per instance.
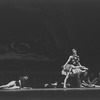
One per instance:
(73, 67)
(15, 84)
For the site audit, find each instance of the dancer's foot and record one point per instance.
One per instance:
(64, 86)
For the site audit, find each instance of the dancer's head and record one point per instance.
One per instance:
(74, 51)
(23, 77)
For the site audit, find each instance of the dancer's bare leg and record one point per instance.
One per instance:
(65, 80)
(12, 83)
(3, 86)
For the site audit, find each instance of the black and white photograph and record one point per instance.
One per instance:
(49, 50)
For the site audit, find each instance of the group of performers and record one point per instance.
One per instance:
(73, 68)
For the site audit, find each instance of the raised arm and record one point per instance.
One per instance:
(67, 61)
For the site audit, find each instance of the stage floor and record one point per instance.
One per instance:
(51, 94)
(50, 89)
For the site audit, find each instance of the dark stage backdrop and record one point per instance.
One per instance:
(45, 31)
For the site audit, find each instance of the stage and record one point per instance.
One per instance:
(51, 94)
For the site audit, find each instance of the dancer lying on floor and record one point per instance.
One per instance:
(92, 83)
(15, 84)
